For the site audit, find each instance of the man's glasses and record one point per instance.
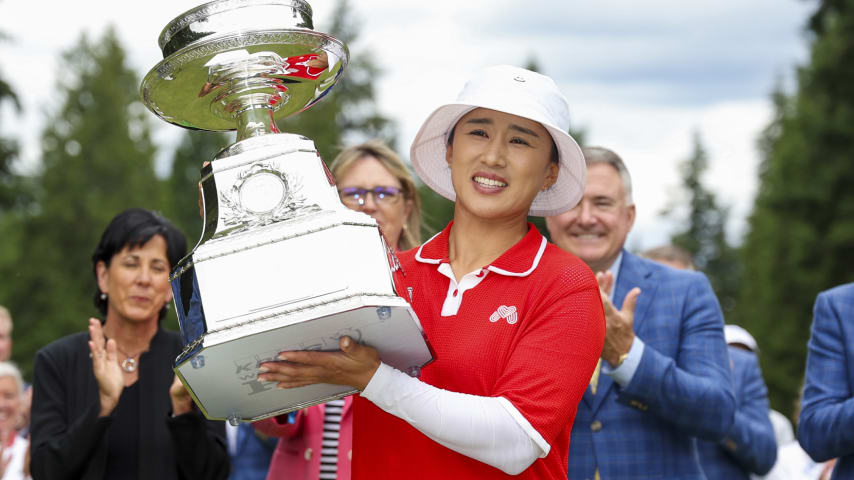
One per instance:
(356, 196)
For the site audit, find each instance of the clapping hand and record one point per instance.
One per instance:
(106, 367)
(619, 324)
(181, 401)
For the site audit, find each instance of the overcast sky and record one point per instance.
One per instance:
(640, 77)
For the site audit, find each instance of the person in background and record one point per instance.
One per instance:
(372, 178)
(750, 446)
(670, 255)
(13, 447)
(516, 323)
(250, 452)
(665, 376)
(106, 404)
(793, 463)
(6, 327)
(827, 417)
(5, 334)
(316, 443)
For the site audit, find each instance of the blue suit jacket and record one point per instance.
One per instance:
(681, 389)
(749, 446)
(251, 461)
(826, 427)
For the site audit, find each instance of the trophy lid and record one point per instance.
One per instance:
(228, 57)
(227, 16)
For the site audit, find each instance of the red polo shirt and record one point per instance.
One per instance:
(529, 328)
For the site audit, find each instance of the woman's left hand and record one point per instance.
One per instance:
(181, 401)
(354, 366)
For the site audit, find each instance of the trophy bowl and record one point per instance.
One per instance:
(281, 264)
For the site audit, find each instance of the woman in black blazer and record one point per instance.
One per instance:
(106, 404)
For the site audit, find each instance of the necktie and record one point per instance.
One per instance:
(594, 380)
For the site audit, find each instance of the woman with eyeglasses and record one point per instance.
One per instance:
(373, 179)
(316, 443)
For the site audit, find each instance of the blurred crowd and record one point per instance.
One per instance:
(675, 393)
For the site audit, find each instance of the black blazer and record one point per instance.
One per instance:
(69, 440)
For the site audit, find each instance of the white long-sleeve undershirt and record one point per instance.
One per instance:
(488, 429)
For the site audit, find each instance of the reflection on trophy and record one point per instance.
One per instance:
(282, 264)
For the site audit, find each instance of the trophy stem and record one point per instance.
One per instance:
(254, 121)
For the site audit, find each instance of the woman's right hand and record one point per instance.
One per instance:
(106, 367)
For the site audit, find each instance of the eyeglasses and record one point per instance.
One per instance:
(356, 196)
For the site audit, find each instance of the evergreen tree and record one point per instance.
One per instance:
(97, 160)
(704, 232)
(182, 193)
(801, 231)
(14, 192)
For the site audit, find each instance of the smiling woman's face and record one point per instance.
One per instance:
(499, 163)
(391, 212)
(10, 404)
(137, 281)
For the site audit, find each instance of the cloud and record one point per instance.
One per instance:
(665, 52)
(640, 76)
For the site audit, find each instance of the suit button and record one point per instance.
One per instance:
(596, 426)
(307, 454)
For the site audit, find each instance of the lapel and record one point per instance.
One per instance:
(633, 273)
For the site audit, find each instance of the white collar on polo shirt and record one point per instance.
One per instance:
(454, 295)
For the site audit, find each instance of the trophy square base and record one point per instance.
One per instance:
(222, 375)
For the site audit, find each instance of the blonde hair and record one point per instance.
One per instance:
(9, 369)
(411, 235)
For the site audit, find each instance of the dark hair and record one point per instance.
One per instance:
(133, 228)
(554, 155)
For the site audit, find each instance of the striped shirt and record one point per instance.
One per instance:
(329, 448)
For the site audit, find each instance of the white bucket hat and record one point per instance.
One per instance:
(518, 92)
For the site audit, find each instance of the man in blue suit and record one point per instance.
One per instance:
(665, 376)
(250, 452)
(826, 426)
(749, 446)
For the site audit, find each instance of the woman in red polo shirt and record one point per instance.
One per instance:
(516, 323)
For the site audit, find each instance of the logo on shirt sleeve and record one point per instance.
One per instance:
(505, 312)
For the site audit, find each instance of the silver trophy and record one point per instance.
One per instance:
(282, 264)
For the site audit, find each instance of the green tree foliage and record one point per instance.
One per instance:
(348, 113)
(182, 185)
(437, 211)
(704, 228)
(801, 235)
(97, 160)
(14, 189)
